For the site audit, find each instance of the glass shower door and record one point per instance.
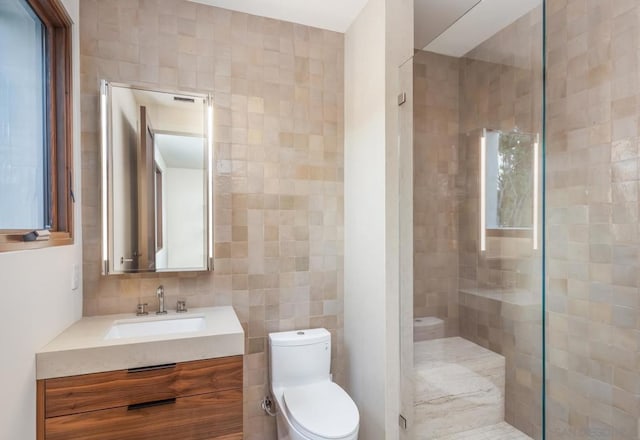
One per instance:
(405, 206)
(472, 308)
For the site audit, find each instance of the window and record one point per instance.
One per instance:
(36, 167)
(510, 181)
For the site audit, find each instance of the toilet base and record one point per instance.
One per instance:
(428, 328)
(285, 431)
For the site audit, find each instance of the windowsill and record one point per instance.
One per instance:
(12, 241)
(510, 232)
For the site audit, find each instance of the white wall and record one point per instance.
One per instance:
(37, 300)
(365, 218)
(184, 189)
(376, 45)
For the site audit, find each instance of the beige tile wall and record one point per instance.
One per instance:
(278, 92)
(435, 200)
(592, 158)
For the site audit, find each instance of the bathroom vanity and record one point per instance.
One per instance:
(169, 377)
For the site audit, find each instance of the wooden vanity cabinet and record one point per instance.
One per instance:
(199, 400)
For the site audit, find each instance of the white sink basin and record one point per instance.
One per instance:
(155, 326)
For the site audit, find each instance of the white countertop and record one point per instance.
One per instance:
(83, 349)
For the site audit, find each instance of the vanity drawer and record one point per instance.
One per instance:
(201, 417)
(91, 392)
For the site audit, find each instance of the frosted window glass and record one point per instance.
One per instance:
(23, 193)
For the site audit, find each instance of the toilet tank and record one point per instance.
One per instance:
(299, 357)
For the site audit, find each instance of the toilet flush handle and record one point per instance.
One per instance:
(267, 406)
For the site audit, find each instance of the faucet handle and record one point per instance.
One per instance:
(160, 291)
(182, 306)
(142, 310)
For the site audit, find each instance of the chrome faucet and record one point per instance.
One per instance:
(160, 295)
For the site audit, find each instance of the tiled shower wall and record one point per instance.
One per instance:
(278, 94)
(435, 199)
(593, 113)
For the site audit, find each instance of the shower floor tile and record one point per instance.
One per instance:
(500, 431)
(459, 387)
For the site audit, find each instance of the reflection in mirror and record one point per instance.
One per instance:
(180, 199)
(156, 196)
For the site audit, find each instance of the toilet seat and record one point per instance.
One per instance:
(322, 411)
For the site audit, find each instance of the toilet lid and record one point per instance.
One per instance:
(322, 409)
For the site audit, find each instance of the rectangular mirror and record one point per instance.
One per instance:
(157, 179)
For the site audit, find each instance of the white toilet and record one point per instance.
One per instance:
(310, 405)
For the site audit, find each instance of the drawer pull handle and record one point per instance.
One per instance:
(151, 404)
(151, 368)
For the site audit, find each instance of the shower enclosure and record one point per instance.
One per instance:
(520, 232)
(477, 286)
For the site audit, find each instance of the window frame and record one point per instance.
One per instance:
(59, 132)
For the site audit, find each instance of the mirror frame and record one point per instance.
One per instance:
(105, 168)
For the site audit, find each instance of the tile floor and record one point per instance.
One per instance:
(500, 431)
(460, 392)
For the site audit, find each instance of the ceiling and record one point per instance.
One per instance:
(334, 15)
(450, 27)
(433, 17)
(153, 98)
(467, 30)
